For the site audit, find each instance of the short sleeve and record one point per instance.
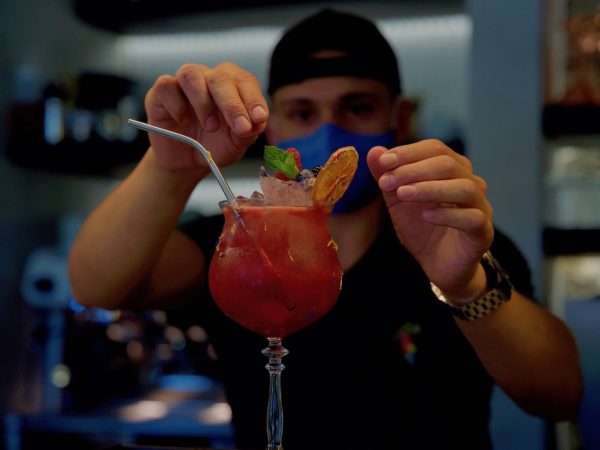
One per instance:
(203, 230)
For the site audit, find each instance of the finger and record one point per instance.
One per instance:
(419, 151)
(462, 191)
(166, 101)
(469, 220)
(249, 92)
(192, 80)
(442, 167)
(374, 161)
(482, 184)
(223, 88)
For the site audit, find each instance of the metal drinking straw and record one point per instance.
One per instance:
(215, 169)
(194, 143)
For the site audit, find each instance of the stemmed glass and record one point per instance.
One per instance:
(275, 270)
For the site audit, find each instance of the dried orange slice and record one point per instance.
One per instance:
(334, 177)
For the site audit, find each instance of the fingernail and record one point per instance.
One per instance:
(388, 159)
(387, 182)
(407, 192)
(259, 113)
(241, 124)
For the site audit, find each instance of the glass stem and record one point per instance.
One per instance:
(275, 351)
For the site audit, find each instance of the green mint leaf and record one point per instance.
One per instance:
(279, 159)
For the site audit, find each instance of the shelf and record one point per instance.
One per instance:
(118, 15)
(559, 120)
(557, 241)
(27, 147)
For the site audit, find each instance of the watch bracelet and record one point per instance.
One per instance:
(481, 307)
(496, 295)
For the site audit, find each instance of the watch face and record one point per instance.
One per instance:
(496, 275)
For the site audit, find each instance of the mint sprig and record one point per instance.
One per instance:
(281, 160)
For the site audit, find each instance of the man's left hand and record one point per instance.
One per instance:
(440, 212)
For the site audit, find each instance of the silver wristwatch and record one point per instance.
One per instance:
(499, 290)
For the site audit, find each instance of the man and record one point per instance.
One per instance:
(391, 365)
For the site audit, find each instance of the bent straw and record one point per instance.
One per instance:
(215, 170)
(188, 140)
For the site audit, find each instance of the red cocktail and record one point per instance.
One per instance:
(275, 268)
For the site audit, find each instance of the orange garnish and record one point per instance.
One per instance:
(334, 177)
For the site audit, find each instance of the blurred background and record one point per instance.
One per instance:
(515, 84)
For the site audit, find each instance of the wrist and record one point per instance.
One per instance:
(175, 181)
(498, 290)
(470, 291)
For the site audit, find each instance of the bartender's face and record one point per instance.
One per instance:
(355, 104)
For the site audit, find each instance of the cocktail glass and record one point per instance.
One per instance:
(275, 270)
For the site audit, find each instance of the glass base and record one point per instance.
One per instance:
(275, 351)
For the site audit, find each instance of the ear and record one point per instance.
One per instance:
(403, 116)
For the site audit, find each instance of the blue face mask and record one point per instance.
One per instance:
(316, 148)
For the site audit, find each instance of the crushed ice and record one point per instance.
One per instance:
(287, 192)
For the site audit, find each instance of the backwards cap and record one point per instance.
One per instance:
(366, 53)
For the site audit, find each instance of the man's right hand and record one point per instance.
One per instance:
(221, 107)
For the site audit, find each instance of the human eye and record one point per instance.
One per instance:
(363, 111)
(300, 115)
(360, 109)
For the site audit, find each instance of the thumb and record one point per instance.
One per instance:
(373, 161)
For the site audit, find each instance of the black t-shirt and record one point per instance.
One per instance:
(386, 368)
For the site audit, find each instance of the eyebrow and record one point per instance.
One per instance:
(353, 96)
(350, 97)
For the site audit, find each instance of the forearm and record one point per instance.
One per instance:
(121, 241)
(531, 355)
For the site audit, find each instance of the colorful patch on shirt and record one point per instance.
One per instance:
(405, 337)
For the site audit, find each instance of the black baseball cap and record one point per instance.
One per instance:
(365, 53)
